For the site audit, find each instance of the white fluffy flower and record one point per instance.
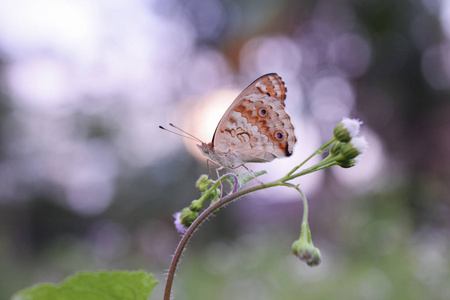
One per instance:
(347, 129)
(360, 144)
(352, 126)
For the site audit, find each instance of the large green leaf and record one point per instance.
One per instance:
(118, 285)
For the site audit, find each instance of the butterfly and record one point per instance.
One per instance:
(255, 128)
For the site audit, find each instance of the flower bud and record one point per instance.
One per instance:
(307, 252)
(184, 219)
(188, 216)
(303, 250)
(316, 259)
(349, 163)
(196, 206)
(354, 148)
(347, 129)
(203, 183)
(348, 152)
(336, 148)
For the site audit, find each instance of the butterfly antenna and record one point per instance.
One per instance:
(185, 135)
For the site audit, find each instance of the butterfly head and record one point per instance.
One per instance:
(206, 149)
(212, 154)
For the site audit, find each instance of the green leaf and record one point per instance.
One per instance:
(118, 285)
(247, 176)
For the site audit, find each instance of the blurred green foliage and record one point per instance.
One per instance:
(378, 255)
(389, 242)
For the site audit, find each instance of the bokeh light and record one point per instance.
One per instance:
(88, 181)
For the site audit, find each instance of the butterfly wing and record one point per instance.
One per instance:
(256, 127)
(270, 84)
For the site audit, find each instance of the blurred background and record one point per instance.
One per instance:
(88, 182)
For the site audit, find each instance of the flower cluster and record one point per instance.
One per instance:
(346, 149)
(348, 146)
(304, 248)
(185, 217)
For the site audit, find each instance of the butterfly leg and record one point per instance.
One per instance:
(207, 165)
(252, 174)
(218, 178)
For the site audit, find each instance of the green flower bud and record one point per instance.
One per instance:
(203, 183)
(347, 129)
(307, 252)
(348, 152)
(196, 206)
(336, 148)
(351, 150)
(349, 163)
(187, 216)
(316, 259)
(303, 250)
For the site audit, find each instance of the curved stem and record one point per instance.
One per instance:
(198, 221)
(305, 204)
(236, 181)
(236, 194)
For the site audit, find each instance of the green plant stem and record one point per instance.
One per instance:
(329, 161)
(209, 192)
(318, 151)
(198, 221)
(305, 205)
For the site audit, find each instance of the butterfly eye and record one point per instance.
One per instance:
(278, 135)
(262, 112)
